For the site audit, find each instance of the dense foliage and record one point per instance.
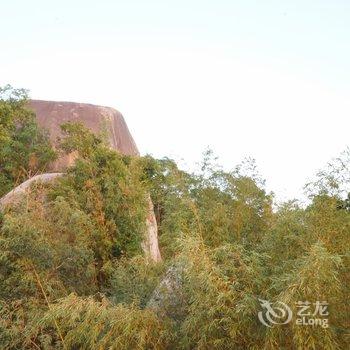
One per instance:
(73, 276)
(25, 149)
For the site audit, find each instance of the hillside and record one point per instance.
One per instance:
(78, 269)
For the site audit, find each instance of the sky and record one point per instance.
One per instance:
(262, 79)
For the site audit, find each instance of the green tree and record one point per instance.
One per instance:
(25, 149)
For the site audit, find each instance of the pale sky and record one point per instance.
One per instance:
(266, 79)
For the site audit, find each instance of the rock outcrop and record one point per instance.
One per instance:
(168, 299)
(150, 243)
(17, 193)
(50, 115)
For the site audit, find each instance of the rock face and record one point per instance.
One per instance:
(169, 298)
(150, 243)
(50, 115)
(18, 192)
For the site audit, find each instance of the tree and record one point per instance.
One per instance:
(24, 148)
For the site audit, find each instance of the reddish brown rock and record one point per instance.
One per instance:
(50, 115)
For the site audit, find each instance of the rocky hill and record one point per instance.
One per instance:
(51, 114)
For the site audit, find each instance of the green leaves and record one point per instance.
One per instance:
(106, 187)
(72, 274)
(90, 324)
(24, 148)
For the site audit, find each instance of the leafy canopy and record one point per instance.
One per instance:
(25, 149)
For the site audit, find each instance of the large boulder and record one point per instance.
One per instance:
(18, 192)
(50, 115)
(168, 298)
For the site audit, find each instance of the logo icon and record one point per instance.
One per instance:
(277, 313)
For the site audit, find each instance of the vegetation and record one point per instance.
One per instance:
(25, 149)
(73, 276)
